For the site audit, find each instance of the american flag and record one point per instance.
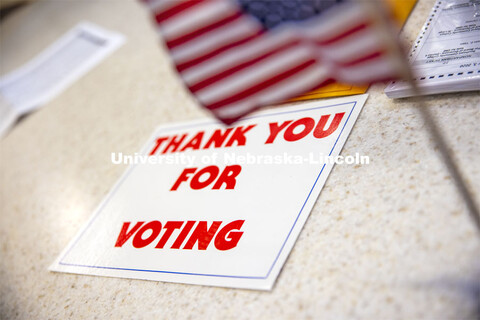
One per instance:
(238, 55)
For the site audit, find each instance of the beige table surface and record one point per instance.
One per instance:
(388, 240)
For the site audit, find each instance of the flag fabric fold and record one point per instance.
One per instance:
(233, 64)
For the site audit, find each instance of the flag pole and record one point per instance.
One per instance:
(420, 104)
(447, 158)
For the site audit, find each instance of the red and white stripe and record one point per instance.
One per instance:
(233, 66)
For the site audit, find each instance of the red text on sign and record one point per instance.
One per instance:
(143, 234)
(299, 129)
(182, 142)
(204, 177)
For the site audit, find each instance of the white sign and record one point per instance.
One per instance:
(211, 205)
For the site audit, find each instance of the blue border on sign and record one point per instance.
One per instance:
(203, 274)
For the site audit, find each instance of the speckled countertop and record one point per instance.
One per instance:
(388, 240)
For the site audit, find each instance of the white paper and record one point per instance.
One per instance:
(54, 69)
(273, 199)
(446, 54)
